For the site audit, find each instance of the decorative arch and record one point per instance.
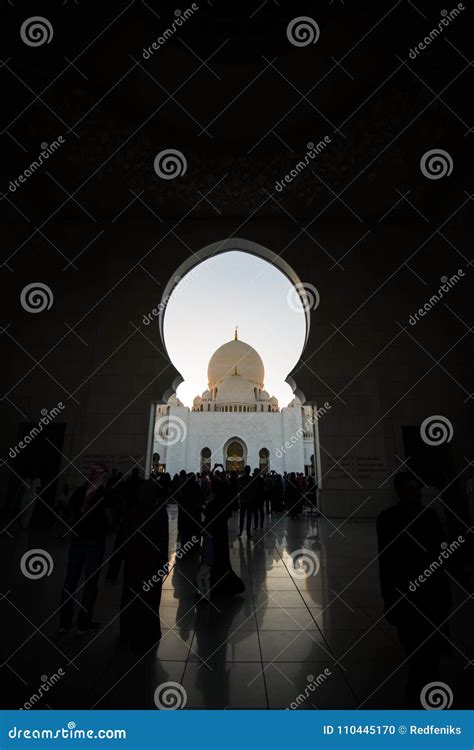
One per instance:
(213, 249)
(264, 460)
(235, 454)
(205, 463)
(217, 248)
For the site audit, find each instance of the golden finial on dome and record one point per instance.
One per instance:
(236, 337)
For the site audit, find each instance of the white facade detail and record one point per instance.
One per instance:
(235, 421)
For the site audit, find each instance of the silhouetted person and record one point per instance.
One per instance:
(293, 500)
(204, 486)
(276, 502)
(130, 488)
(234, 489)
(112, 478)
(409, 539)
(31, 487)
(165, 481)
(62, 504)
(145, 540)
(121, 497)
(91, 520)
(312, 493)
(223, 580)
(259, 507)
(246, 501)
(191, 501)
(178, 488)
(268, 492)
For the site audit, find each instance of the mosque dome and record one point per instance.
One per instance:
(174, 401)
(235, 389)
(264, 396)
(294, 403)
(236, 356)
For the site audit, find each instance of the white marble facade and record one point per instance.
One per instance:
(234, 422)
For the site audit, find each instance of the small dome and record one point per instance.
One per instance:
(174, 401)
(197, 401)
(295, 403)
(235, 390)
(235, 356)
(274, 400)
(207, 396)
(264, 396)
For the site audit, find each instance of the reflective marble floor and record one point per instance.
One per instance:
(261, 650)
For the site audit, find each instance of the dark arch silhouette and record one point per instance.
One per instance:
(218, 248)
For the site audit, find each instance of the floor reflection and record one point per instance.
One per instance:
(305, 641)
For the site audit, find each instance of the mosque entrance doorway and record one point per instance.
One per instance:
(235, 455)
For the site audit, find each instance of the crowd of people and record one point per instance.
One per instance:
(254, 494)
(136, 509)
(410, 535)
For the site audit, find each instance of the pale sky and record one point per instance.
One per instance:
(234, 288)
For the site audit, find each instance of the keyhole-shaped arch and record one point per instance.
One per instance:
(282, 313)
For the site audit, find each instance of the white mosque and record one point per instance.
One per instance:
(234, 422)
